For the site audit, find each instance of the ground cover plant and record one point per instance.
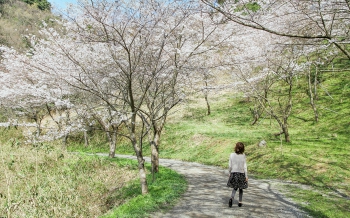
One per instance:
(41, 181)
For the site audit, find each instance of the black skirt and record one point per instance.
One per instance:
(237, 180)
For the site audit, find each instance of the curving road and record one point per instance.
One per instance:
(207, 195)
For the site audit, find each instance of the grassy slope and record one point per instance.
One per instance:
(19, 19)
(163, 193)
(45, 182)
(317, 156)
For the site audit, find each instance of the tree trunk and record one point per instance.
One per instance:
(286, 133)
(288, 110)
(142, 173)
(86, 139)
(139, 156)
(206, 97)
(112, 143)
(38, 130)
(141, 166)
(256, 112)
(208, 105)
(38, 125)
(312, 94)
(155, 152)
(64, 141)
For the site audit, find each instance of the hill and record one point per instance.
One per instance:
(21, 18)
(318, 154)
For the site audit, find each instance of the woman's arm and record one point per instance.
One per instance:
(245, 168)
(230, 164)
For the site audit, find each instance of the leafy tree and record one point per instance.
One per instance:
(41, 4)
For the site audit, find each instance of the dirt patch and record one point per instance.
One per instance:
(198, 139)
(320, 168)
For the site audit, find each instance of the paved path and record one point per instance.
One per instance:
(207, 195)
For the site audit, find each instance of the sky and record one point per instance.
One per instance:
(61, 4)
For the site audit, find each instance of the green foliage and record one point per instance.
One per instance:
(253, 6)
(221, 2)
(98, 143)
(250, 6)
(313, 202)
(11, 136)
(41, 4)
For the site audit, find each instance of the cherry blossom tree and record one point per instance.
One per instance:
(131, 55)
(273, 90)
(319, 60)
(26, 90)
(135, 57)
(96, 115)
(318, 22)
(191, 40)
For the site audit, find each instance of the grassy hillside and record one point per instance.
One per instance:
(318, 155)
(18, 19)
(42, 181)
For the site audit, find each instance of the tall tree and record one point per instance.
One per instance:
(134, 56)
(273, 89)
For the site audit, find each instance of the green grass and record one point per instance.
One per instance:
(163, 193)
(318, 154)
(42, 181)
(98, 144)
(313, 202)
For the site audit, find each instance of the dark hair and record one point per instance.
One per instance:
(239, 149)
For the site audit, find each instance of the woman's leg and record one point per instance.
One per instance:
(233, 193)
(240, 195)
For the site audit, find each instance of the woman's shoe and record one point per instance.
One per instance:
(230, 202)
(239, 204)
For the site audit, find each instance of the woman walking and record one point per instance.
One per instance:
(238, 177)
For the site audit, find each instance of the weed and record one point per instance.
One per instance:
(52, 183)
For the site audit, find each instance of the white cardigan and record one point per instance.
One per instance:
(237, 163)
